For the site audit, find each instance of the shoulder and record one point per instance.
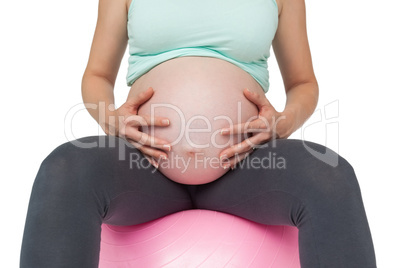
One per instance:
(285, 4)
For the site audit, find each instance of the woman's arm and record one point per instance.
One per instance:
(108, 47)
(293, 55)
(107, 50)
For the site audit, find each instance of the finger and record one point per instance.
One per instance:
(135, 121)
(139, 99)
(152, 161)
(156, 121)
(260, 124)
(233, 161)
(146, 120)
(245, 145)
(151, 152)
(147, 140)
(258, 99)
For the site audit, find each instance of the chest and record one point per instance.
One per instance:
(227, 26)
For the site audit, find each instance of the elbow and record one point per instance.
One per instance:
(309, 86)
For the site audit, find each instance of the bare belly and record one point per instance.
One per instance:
(200, 95)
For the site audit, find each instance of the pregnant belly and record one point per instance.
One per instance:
(199, 95)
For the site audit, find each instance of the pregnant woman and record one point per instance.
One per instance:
(197, 112)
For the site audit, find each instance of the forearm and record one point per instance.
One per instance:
(98, 97)
(301, 101)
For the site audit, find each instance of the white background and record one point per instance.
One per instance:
(357, 60)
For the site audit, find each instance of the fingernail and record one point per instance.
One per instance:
(164, 157)
(249, 91)
(224, 131)
(226, 166)
(167, 146)
(166, 122)
(223, 156)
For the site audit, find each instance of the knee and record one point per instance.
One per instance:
(84, 150)
(71, 166)
(69, 154)
(318, 169)
(338, 182)
(330, 175)
(54, 175)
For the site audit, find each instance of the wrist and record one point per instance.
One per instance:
(287, 123)
(109, 122)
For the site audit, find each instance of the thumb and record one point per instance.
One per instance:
(257, 99)
(139, 99)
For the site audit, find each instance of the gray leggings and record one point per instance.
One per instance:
(77, 189)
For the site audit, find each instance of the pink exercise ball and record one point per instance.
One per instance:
(199, 238)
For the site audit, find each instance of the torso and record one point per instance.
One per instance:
(193, 91)
(199, 95)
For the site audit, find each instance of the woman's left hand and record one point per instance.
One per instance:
(270, 124)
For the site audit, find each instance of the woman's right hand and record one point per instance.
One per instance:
(130, 123)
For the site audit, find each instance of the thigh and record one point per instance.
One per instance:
(111, 174)
(280, 184)
(301, 184)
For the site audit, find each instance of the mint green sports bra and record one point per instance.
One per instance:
(238, 31)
